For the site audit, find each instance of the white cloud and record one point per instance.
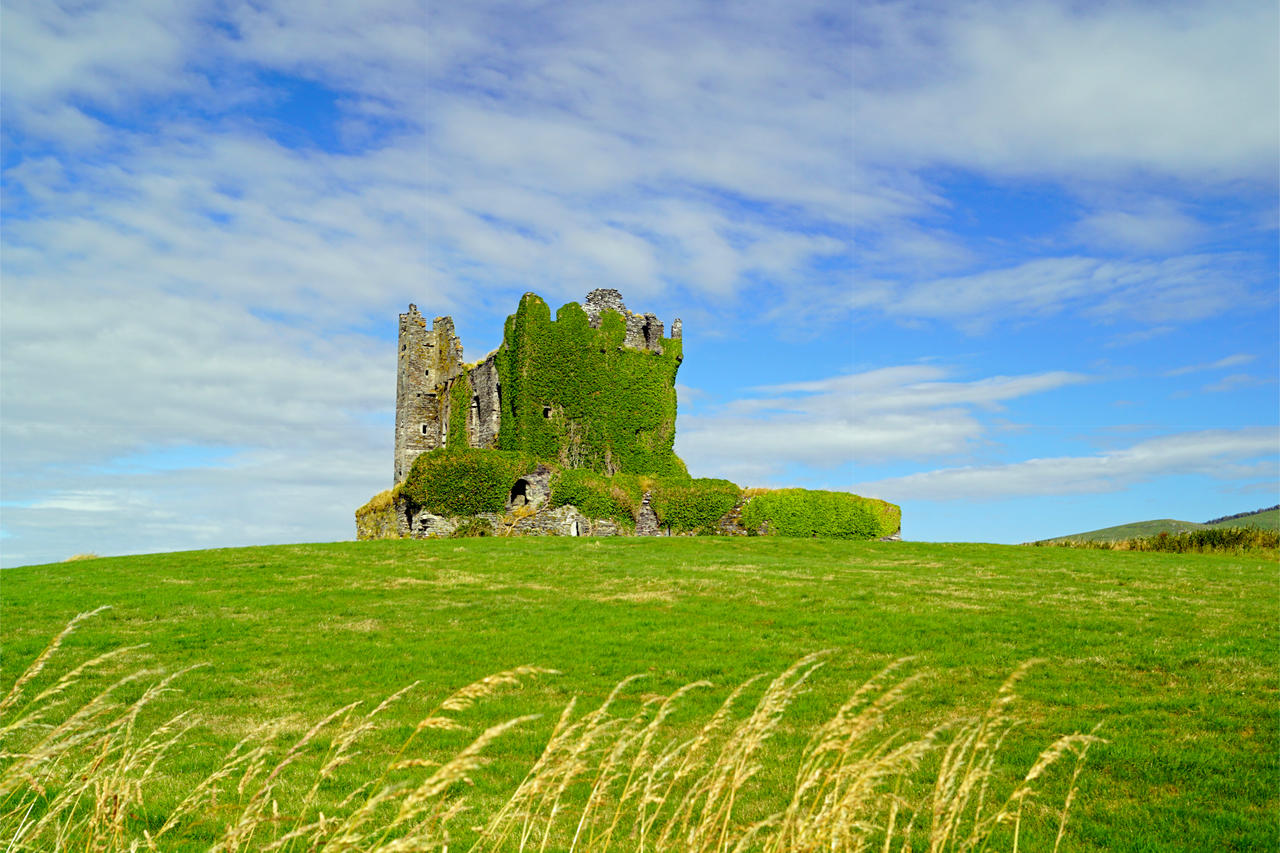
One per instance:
(1072, 90)
(1179, 288)
(686, 144)
(1113, 111)
(1247, 453)
(107, 53)
(1154, 227)
(1228, 361)
(1140, 336)
(262, 497)
(1234, 382)
(175, 278)
(869, 418)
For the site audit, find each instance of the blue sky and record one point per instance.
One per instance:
(1010, 265)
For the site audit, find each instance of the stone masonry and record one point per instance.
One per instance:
(429, 359)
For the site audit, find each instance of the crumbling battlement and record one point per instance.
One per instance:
(440, 399)
(644, 331)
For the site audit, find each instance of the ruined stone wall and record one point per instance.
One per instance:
(644, 331)
(484, 415)
(547, 521)
(428, 360)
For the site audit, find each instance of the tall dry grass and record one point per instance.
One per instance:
(76, 775)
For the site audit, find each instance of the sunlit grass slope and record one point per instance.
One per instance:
(1265, 520)
(1174, 654)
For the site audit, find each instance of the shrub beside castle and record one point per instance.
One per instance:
(568, 429)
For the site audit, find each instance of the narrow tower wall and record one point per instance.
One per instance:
(428, 360)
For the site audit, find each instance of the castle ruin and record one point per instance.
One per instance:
(430, 364)
(568, 429)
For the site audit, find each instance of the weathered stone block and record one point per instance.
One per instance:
(647, 519)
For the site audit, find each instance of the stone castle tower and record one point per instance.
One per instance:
(430, 364)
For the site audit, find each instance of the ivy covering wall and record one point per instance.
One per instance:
(805, 512)
(459, 403)
(464, 481)
(377, 518)
(572, 394)
(682, 504)
(596, 495)
(693, 506)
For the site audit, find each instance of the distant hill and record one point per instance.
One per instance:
(1265, 518)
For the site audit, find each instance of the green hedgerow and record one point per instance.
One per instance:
(693, 505)
(597, 496)
(464, 480)
(805, 512)
(682, 504)
(1213, 540)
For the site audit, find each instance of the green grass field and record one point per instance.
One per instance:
(1176, 655)
(1265, 520)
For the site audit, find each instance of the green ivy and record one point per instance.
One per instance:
(682, 504)
(597, 496)
(804, 512)
(459, 402)
(693, 505)
(574, 398)
(572, 394)
(464, 480)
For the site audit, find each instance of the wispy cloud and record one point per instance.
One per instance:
(1240, 454)
(852, 420)
(1234, 382)
(1154, 226)
(1082, 91)
(216, 213)
(1175, 289)
(212, 214)
(1229, 361)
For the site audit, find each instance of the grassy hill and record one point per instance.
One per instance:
(1173, 654)
(1268, 519)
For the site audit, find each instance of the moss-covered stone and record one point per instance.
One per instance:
(378, 518)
